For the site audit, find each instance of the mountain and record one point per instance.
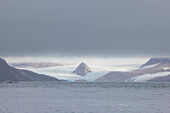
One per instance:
(153, 61)
(155, 70)
(82, 69)
(8, 73)
(35, 65)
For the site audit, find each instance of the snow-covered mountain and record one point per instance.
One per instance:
(156, 69)
(82, 69)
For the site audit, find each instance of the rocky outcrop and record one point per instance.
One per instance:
(149, 69)
(8, 73)
(153, 61)
(82, 69)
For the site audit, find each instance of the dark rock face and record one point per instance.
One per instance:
(117, 76)
(8, 73)
(82, 69)
(157, 61)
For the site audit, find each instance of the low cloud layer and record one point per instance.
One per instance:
(85, 27)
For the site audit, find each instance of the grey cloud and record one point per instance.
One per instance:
(111, 27)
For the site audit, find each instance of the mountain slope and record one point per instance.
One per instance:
(156, 69)
(153, 61)
(82, 69)
(8, 73)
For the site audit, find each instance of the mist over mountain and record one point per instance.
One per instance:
(35, 65)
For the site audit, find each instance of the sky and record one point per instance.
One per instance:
(85, 27)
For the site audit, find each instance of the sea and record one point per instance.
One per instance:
(84, 97)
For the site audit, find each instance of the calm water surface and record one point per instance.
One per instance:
(66, 97)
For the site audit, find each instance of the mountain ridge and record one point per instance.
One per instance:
(9, 73)
(157, 60)
(163, 65)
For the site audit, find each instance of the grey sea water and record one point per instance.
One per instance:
(64, 97)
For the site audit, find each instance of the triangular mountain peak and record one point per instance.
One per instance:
(82, 69)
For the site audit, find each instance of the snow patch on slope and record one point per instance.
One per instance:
(146, 77)
(149, 66)
(166, 68)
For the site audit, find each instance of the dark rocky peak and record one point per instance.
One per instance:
(153, 61)
(3, 64)
(83, 64)
(2, 61)
(82, 69)
(8, 73)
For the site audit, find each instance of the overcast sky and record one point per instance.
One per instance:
(85, 27)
